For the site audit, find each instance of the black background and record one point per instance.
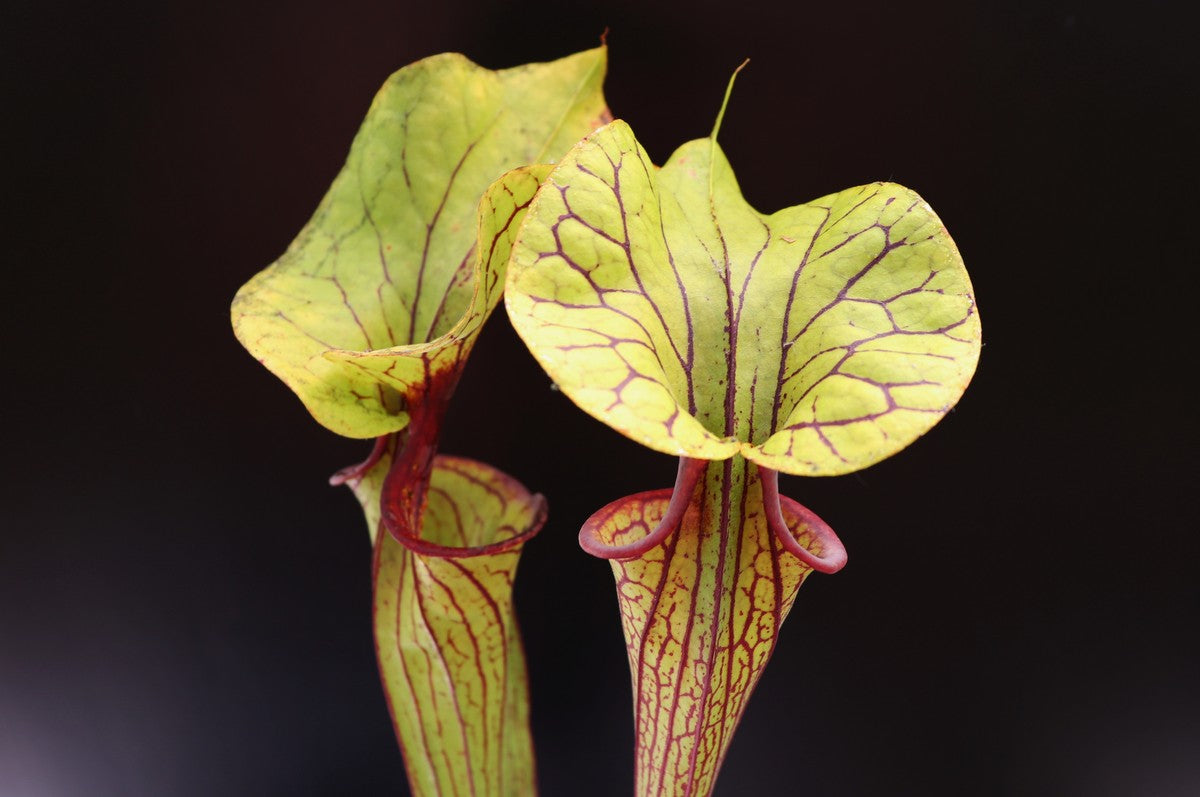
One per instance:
(184, 603)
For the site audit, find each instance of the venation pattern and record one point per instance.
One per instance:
(701, 614)
(447, 639)
(388, 263)
(816, 340)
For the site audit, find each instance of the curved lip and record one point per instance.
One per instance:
(830, 562)
(538, 501)
(681, 495)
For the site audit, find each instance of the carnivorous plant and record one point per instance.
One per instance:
(816, 341)
(369, 317)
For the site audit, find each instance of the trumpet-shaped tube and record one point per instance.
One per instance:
(705, 574)
(446, 635)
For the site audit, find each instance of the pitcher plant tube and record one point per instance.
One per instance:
(369, 318)
(815, 341)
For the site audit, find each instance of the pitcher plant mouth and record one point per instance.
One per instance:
(596, 535)
(505, 537)
(598, 539)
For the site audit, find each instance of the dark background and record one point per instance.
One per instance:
(184, 603)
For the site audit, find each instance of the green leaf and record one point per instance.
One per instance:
(446, 634)
(816, 340)
(387, 285)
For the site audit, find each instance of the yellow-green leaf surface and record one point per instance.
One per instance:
(446, 635)
(816, 340)
(702, 596)
(389, 280)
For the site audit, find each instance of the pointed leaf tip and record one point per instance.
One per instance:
(725, 101)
